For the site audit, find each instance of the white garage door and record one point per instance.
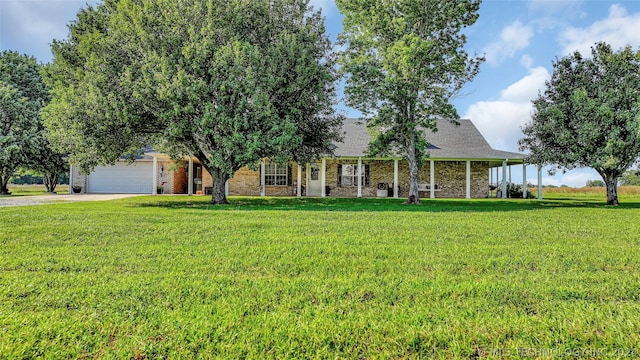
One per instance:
(122, 178)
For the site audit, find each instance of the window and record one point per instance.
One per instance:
(315, 172)
(348, 175)
(276, 174)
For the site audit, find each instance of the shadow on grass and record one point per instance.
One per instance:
(374, 204)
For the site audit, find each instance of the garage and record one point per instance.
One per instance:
(122, 178)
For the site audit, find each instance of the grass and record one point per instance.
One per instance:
(623, 190)
(175, 277)
(22, 190)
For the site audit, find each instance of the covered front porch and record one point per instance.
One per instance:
(388, 177)
(350, 177)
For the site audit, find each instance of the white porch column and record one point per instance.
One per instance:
(432, 179)
(468, 195)
(524, 181)
(154, 181)
(504, 179)
(323, 178)
(359, 177)
(190, 185)
(395, 178)
(299, 185)
(539, 182)
(70, 178)
(509, 174)
(226, 188)
(262, 186)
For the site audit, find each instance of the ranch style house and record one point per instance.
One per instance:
(461, 164)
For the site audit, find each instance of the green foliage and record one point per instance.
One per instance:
(630, 178)
(174, 277)
(404, 60)
(514, 191)
(589, 115)
(21, 96)
(230, 82)
(23, 140)
(595, 183)
(30, 177)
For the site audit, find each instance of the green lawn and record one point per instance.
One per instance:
(174, 277)
(23, 190)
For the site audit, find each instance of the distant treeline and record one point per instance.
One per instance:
(30, 179)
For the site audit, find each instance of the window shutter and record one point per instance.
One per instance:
(339, 174)
(289, 170)
(366, 174)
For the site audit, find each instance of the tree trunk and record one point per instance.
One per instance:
(218, 195)
(50, 181)
(4, 180)
(612, 189)
(414, 197)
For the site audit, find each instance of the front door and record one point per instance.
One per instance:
(314, 184)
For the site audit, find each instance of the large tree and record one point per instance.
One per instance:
(229, 81)
(22, 94)
(589, 115)
(404, 61)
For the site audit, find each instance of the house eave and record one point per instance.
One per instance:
(510, 161)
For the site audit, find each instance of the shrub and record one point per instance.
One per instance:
(595, 183)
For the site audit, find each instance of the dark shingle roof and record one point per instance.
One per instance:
(451, 141)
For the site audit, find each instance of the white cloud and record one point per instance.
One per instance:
(526, 61)
(525, 89)
(546, 180)
(513, 38)
(618, 30)
(573, 178)
(500, 121)
(578, 178)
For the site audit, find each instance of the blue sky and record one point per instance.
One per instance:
(519, 38)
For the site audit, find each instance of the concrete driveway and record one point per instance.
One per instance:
(48, 199)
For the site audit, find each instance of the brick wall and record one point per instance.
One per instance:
(207, 180)
(180, 178)
(246, 182)
(352, 191)
(479, 179)
(79, 179)
(450, 176)
(380, 171)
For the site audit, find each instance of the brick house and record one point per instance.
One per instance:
(460, 164)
